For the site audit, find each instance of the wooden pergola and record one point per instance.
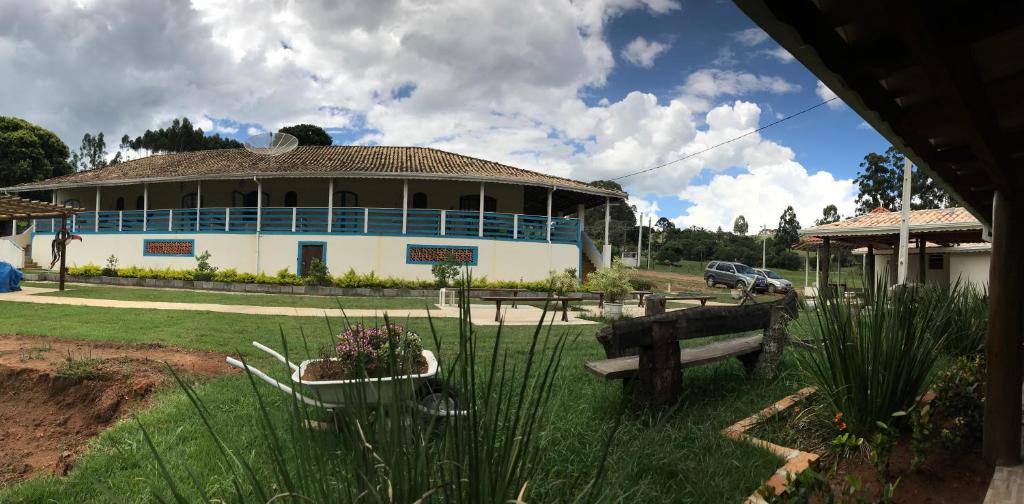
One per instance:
(944, 83)
(15, 208)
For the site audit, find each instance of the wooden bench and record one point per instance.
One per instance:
(563, 299)
(644, 352)
(515, 292)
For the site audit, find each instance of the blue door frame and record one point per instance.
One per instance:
(298, 255)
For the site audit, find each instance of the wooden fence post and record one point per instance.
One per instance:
(659, 377)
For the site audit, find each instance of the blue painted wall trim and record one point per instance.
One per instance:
(148, 241)
(410, 246)
(298, 255)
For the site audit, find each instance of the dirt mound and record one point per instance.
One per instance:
(56, 395)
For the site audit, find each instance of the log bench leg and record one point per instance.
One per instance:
(659, 377)
(497, 311)
(565, 310)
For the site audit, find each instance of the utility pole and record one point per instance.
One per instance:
(639, 239)
(901, 275)
(764, 246)
(649, 240)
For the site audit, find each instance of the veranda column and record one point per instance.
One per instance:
(550, 191)
(259, 206)
(199, 204)
(330, 204)
(640, 239)
(817, 268)
(405, 204)
(807, 268)
(606, 254)
(145, 207)
(1002, 424)
(869, 268)
(96, 225)
(481, 230)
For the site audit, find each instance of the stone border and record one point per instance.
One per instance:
(796, 461)
(308, 290)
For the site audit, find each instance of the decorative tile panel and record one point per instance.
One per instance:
(433, 254)
(173, 248)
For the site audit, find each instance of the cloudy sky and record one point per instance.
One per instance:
(585, 89)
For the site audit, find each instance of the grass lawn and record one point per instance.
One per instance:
(675, 457)
(193, 296)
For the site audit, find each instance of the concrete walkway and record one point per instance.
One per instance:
(483, 314)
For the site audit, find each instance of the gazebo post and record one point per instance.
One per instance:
(826, 244)
(922, 272)
(807, 268)
(869, 269)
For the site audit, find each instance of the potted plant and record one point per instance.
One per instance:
(370, 352)
(614, 282)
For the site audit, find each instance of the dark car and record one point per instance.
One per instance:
(733, 275)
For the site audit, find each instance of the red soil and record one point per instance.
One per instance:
(47, 418)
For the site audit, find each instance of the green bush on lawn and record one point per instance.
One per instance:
(351, 279)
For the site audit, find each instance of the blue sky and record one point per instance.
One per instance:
(587, 89)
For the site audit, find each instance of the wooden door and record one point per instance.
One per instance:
(310, 252)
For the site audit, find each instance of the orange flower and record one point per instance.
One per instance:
(839, 416)
(842, 425)
(796, 409)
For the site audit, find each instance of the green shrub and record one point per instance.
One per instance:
(318, 274)
(967, 323)
(613, 281)
(873, 362)
(445, 271)
(204, 271)
(111, 269)
(959, 402)
(562, 283)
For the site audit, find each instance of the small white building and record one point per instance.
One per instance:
(946, 245)
(394, 211)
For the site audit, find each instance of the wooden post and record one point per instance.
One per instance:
(405, 205)
(1002, 426)
(330, 204)
(922, 273)
(480, 231)
(62, 244)
(826, 251)
(767, 362)
(659, 379)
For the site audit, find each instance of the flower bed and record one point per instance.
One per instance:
(370, 352)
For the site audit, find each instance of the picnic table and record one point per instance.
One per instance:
(515, 292)
(641, 293)
(558, 299)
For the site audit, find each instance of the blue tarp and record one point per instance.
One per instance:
(10, 278)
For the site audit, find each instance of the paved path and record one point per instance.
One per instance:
(483, 314)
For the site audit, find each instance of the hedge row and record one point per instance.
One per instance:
(351, 279)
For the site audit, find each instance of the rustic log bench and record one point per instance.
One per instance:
(562, 299)
(644, 352)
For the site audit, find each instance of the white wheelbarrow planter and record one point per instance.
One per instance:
(431, 396)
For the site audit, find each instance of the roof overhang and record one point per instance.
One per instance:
(941, 81)
(889, 230)
(42, 186)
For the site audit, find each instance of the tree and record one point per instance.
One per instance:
(29, 153)
(740, 226)
(787, 233)
(623, 220)
(180, 136)
(91, 154)
(308, 134)
(829, 215)
(880, 184)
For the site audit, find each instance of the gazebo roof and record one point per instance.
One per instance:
(940, 225)
(13, 207)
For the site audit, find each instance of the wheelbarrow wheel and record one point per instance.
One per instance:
(440, 398)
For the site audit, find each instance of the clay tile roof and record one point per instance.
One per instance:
(884, 220)
(313, 161)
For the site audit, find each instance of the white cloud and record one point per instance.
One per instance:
(825, 93)
(650, 210)
(712, 82)
(642, 53)
(780, 54)
(750, 37)
(502, 80)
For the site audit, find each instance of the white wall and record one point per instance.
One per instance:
(970, 268)
(385, 255)
(11, 253)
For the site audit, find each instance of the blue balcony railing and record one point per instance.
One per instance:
(351, 221)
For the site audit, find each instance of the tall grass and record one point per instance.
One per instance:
(967, 322)
(876, 360)
(390, 451)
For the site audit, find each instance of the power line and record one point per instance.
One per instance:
(688, 156)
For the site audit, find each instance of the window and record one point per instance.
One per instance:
(726, 267)
(419, 200)
(936, 262)
(140, 203)
(119, 204)
(472, 202)
(744, 269)
(189, 200)
(346, 199)
(291, 199)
